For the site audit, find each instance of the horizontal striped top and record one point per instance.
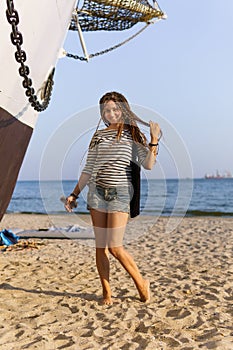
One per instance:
(109, 161)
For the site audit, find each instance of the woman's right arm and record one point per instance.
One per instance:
(85, 175)
(83, 180)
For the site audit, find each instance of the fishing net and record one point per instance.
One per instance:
(114, 14)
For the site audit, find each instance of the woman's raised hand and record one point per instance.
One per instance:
(155, 132)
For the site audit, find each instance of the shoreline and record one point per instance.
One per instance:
(49, 295)
(38, 221)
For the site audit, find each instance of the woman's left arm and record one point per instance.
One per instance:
(155, 134)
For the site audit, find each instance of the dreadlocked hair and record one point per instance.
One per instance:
(129, 118)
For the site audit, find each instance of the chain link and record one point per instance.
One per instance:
(21, 57)
(81, 58)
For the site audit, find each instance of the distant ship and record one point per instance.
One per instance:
(217, 175)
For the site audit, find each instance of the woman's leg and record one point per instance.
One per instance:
(116, 227)
(99, 220)
(103, 267)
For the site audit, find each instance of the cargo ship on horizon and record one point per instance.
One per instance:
(217, 175)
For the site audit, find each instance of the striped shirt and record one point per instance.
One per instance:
(109, 161)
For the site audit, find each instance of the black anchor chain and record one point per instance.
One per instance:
(20, 56)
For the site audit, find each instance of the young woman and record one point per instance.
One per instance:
(108, 173)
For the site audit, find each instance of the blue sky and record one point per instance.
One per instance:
(180, 69)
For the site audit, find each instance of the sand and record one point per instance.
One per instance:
(50, 293)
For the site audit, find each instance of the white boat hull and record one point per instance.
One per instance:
(44, 25)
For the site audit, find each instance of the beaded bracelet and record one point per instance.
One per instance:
(155, 151)
(74, 195)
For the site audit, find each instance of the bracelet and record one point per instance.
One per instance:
(153, 144)
(74, 195)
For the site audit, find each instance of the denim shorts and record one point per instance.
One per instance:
(109, 199)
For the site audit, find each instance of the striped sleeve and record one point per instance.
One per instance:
(91, 155)
(142, 152)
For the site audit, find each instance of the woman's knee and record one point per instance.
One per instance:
(101, 251)
(115, 251)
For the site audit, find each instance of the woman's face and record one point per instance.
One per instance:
(112, 112)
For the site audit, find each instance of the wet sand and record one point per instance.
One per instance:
(50, 292)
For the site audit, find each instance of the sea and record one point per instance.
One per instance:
(168, 197)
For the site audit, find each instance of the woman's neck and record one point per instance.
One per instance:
(113, 127)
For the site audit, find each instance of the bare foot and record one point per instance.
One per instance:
(145, 291)
(107, 301)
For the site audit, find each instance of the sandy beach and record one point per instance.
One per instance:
(50, 290)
